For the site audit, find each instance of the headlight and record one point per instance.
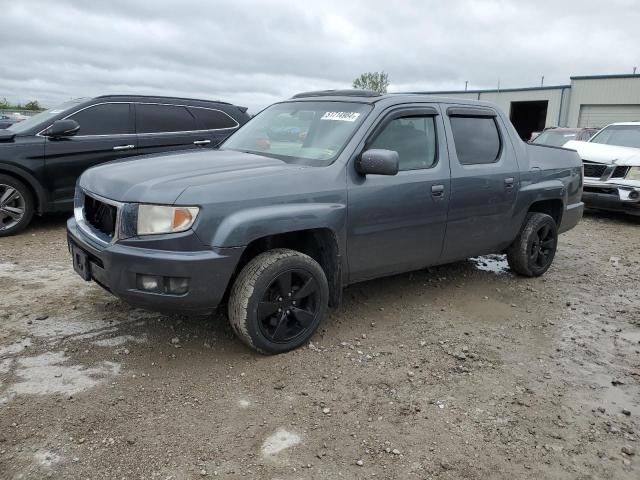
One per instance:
(633, 173)
(154, 219)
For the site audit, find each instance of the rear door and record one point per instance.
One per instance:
(165, 128)
(106, 133)
(397, 223)
(484, 182)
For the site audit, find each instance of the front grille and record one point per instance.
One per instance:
(620, 172)
(602, 190)
(100, 215)
(594, 170)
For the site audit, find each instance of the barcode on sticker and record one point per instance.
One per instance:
(341, 116)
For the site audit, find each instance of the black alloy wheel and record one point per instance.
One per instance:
(289, 306)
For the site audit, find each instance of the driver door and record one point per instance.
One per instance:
(397, 223)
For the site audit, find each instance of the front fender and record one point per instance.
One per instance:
(242, 227)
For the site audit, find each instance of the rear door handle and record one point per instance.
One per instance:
(509, 182)
(437, 191)
(202, 142)
(124, 147)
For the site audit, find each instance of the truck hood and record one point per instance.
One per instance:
(609, 154)
(162, 178)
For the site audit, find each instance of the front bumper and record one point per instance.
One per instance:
(116, 267)
(613, 196)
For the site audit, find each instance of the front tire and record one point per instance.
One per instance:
(17, 206)
(278, 301)
(533, 251)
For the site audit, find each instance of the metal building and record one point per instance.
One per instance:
(589, 101)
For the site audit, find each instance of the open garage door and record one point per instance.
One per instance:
(603, 115)
(528, 117)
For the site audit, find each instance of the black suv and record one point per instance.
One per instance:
(42, 157)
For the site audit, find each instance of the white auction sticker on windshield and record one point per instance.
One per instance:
(341, 116)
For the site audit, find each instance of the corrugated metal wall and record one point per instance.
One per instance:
(602, 115)
(613, 92)
(609, 99)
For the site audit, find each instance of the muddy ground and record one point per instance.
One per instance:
(462, 371)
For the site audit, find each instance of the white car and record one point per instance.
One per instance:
(611, 160)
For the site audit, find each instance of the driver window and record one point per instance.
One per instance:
(414, 138)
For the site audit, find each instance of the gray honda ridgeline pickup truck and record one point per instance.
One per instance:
(315, 193)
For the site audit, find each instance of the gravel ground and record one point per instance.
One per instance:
(460, 371)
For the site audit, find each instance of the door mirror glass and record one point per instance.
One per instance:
(62, 128)
(378, 162)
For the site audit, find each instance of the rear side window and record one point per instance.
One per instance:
(476, 139)
(212, 119)
(414, 138)
(163, 118)
(105, 119)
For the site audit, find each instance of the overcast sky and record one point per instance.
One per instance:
(255, 52)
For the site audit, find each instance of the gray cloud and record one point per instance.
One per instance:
(257, 52)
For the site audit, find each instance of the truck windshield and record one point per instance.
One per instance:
(307, 132)
(620, 135)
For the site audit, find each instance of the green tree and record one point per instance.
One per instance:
(4, 103)
(33, 105)
(376, 81)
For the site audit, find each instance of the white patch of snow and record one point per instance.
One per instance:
(280, 440)
(47, 374)
(46, 458)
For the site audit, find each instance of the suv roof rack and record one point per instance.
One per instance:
(350, 92)
(162, 96)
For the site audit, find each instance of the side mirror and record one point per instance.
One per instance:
(62, 128)
(378, 162)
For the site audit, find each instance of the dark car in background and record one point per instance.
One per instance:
(558, 136)
(42, 157)
(6, 121)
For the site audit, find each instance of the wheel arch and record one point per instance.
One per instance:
(37, 190)
(321, 244)
(551, 206)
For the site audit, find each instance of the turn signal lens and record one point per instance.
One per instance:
(157, 219)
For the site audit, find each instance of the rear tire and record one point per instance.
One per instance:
(278, 301)
(17, 206)
(533, 251)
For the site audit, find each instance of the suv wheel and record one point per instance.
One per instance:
(532, 253)
(16, 206)
(278, 301)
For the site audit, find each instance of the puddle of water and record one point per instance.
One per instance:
(279, 441)
(8, 267)
(49, 373)
(56, 327)
(491, 263)
(14, 348)
(5, 365)
(121, 340)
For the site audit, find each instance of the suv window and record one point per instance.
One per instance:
(105, 119)
(414, 138)
(152, 118)
(212, 119)
(476, 139)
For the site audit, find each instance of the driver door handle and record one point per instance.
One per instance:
(437, 191)
(124, 147)
(202, 142)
